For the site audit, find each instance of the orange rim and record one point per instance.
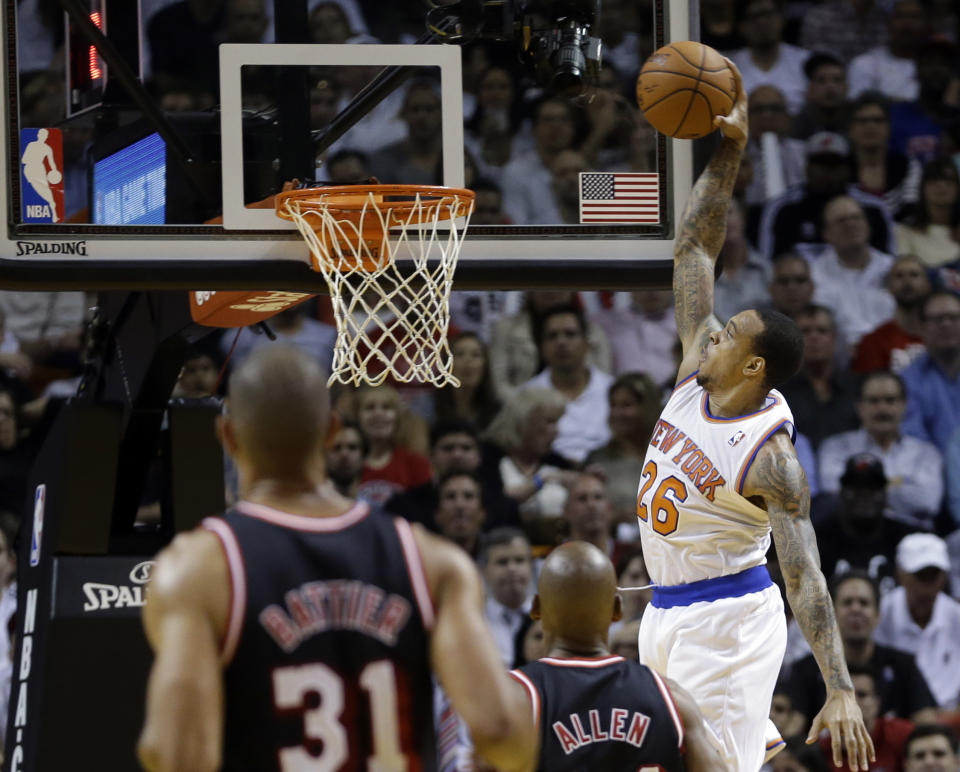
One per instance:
(346, 202)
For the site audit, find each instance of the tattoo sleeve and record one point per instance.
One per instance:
(699, 239)
(778, 477)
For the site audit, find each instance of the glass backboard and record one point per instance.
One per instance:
(145, 140)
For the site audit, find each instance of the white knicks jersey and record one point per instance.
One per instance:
(694, 522)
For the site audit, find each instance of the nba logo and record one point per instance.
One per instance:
(39, 500)
(735, 439)
(41, 175)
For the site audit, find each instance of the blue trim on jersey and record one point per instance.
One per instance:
(752, 579)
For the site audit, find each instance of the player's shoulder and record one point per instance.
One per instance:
(187, 570)
(776, 469)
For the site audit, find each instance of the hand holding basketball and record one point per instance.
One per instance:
(684, 86)
(735, 125)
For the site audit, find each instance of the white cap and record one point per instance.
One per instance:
(922, 550)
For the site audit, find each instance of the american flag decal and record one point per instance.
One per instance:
(613, 197)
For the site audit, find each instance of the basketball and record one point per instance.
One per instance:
(54, 176)
(683, 86)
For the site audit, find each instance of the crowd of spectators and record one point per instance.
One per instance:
(846, 217)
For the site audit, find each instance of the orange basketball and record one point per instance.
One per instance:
(683, 86)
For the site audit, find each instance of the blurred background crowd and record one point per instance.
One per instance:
(846, 217)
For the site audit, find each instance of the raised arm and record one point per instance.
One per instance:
(702, 232)
(464, 657)
(777, 477)
(184, 616)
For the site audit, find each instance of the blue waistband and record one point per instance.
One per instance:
(730, 586)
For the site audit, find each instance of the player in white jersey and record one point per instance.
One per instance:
(720, 474)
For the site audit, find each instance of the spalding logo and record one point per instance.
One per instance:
(140, 573)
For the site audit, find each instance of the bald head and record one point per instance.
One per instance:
(577, 594)
(278, 410)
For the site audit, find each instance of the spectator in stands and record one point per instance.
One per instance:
(526, 178)
(528, 643)
(932, 232)
(454, 445)
(826, 108)
(345, 455)
(533, 475)
(196, 26)
(766, 59)
(474, 399)
(625, 640)
(794, 219)
(14, 461)
(514, 355)
(293, 326)
(933, 379)
(768, 115)
(896, 343)
(507, 567)
(460, 512)
(797, 756)
(329, 23)
(920, 618)
(877, 170)
(791, 289)
(914, 468)
(632, 573)
(952, 467)
(891, 69)
(588, 513)
(845, 28)
(348, 166)
(496, 132)
(915, 127)
(849, 274)
(718, 25)
(889, 734)
(931, 748)
(488, 207)
(634, 408)
(621, 43)
(390, 466)
(820, 395)
(564, 188)
(562, 336)
(903, 690)
(642, 336)
(246, 21)
(47, 325)
(856, 533)
(416, 159)
(199, 374)
(746, 274)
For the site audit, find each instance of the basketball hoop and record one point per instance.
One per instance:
(389, 269)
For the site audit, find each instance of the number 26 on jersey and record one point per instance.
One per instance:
(659, 508)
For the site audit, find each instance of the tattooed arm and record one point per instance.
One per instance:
(777, 478)
(702, 232)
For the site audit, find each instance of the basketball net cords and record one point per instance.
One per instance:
(636, 589)
(423, 348)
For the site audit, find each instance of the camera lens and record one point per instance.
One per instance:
(570, 65)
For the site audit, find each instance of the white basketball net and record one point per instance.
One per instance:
(389, 324)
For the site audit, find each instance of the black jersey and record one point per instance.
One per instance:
(608, 713)
(326, 645)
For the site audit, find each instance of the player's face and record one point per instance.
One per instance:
(881, 406)
(856, 610)
(508, 572)
(931, 754)
(455, 451)
(378, 416)
(728, 351)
